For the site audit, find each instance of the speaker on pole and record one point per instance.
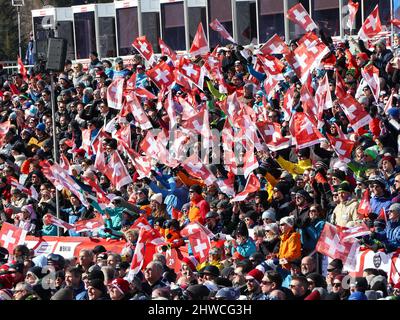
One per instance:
(56, 54)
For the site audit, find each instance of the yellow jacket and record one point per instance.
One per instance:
(294, 168)
(290, 247)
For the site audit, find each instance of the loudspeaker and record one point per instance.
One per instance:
(56, 54)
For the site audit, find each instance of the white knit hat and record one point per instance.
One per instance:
(157, 197)
(289, 220)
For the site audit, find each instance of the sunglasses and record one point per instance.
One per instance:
(337, 284)
(266, 282)
(331, 270)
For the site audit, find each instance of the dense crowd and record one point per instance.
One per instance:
(263, 246)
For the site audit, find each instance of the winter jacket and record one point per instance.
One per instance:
(290, 247)
(378, 203)
(345, 212)
(391, 235)
(198, 210)
(245, 249)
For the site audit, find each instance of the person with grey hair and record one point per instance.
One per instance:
(153, 275)
(85, 259)
(169, 274)
(390, 237)
(24, 291)
(109, 273)
(113, 259)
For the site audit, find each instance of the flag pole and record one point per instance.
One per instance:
(55, 144)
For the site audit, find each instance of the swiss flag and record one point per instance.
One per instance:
(4, 127)
(355, 112)
(115, 93)
(142, 164)
(50, 219)
(218, 27)
(353, 232)
(162, 75)
(308, 102)
(271, 82)
(370, 73)
(323, 96)
(101, 195)
(22, 69)
(252, 185)
(332, 244)
(61, 179)
(117, 172)
(166, 50)
(307, 56)
(342, 147)
(90, 224)
(86, 141)
(272, 135)
(304, 131)
(187, 109)
(382, 215)
(199, 44)
(275, 45)
(396, 22)
(11, 236)
(191, 71)
(200, 242)
(169, 106)
(371, 26)
(31, 191)
(353, 8)
(300, 16)
(227, 185)
(389, 103)
(271, 64)
(197, 169)
(231, 106)
(341, 88)
(144, 47)
(132, 105)
(288, 102)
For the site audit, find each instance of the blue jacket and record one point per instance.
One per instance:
(245, 249)
(377, 203)
(391, 235)
(73, 216)
(310, 235)
(173, 197)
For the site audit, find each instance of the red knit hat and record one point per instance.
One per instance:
(191, 261)
(390, 159)
(255, 274)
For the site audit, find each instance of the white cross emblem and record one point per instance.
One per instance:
(334, 245)
(143, 47)
(117, 169)
(311, 46)
(270, 81)
(189, 70)
(269, 131)
(307, 126)
(276, 49)
(301, 61)
(192, 228)
(350, 111)
(200, 247)
(338, 146)
(152, 149)
(162, 75)
(371, 23)
(300, 16)
(270, 64)
(212, 61)
(7, 238)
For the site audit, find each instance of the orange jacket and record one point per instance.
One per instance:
(290, 247)
(198, 210)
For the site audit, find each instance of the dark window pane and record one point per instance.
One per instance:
(173, 25)
(222, 10)
(85, 34)
(107, 37)
(271, 19)
(246, 22)
(65, 31)
(127, 24)
(326, 15)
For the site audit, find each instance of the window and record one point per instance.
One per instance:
(221, 10)
(271, 19)
(107, 37)
(85, 34)
(127, 28)
(173, 25)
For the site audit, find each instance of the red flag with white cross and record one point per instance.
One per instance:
(115, 94)
(275, 45)
(299, 15)
(332, 243)
(355, 112)
(199, 44)
(166, 50)
(90, 224)
(304, 131)
(162, 75)
(371, 26)
(11, 236)
(342, 147)
(144, 47)
(200, 242)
